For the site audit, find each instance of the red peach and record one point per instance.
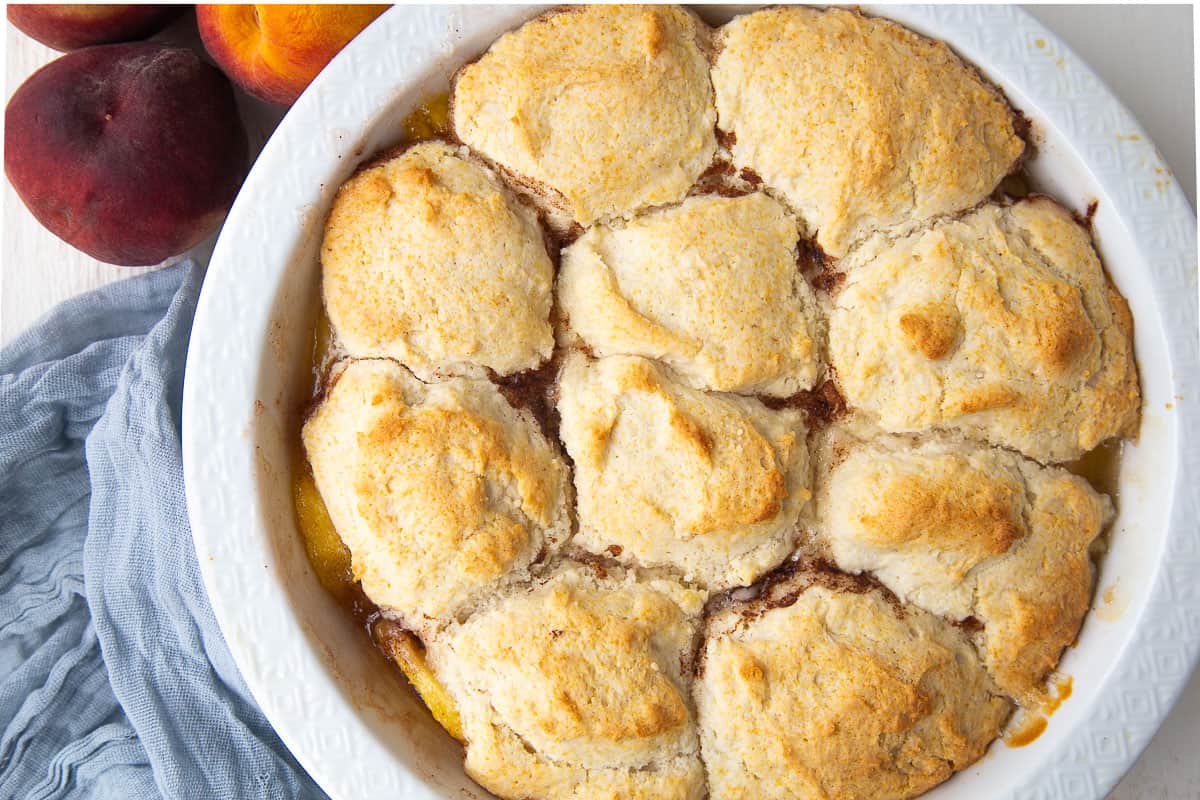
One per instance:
(129, 152)
(69, 27)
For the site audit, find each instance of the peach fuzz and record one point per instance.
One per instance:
(274, 51)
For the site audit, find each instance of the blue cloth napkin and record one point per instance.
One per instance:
(114, 679)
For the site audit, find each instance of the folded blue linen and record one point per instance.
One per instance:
(114, 679)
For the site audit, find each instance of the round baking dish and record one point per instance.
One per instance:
(354, 724)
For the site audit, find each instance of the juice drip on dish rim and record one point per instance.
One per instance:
(1035, 721)
(1028, 733)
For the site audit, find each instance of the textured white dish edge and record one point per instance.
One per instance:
(360, 740)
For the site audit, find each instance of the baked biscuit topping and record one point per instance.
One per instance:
(579, 687)
(441, 492)
(666, 475)
(823, 688)
(859, 123)
(597, 111)
(968, 531)
(710, 287)
(844, 288)
(1001, 325)
(427, 259)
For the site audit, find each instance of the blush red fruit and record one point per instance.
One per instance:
(131, 152)
(69, 27)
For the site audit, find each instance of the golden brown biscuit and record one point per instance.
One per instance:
(823, 689)
(709, 286)
(441, 492)
(1001, 325)
(427, 259)
(666, 475)
(859, 123)
(573, 672)
(578, 687)
(596, 110)
(964, 531)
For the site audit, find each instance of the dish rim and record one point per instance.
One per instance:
(220, 412)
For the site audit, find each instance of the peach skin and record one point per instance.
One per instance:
(274, 51)
(69, 27)
(129, 152)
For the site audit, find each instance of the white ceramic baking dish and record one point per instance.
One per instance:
(355, 725)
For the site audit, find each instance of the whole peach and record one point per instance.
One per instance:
(274, 51)
(129, 152)
(69, 27)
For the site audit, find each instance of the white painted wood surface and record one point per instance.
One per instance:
(1145, 53)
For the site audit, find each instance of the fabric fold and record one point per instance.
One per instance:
(114, 678)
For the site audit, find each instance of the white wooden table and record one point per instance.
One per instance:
(1143, 52)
